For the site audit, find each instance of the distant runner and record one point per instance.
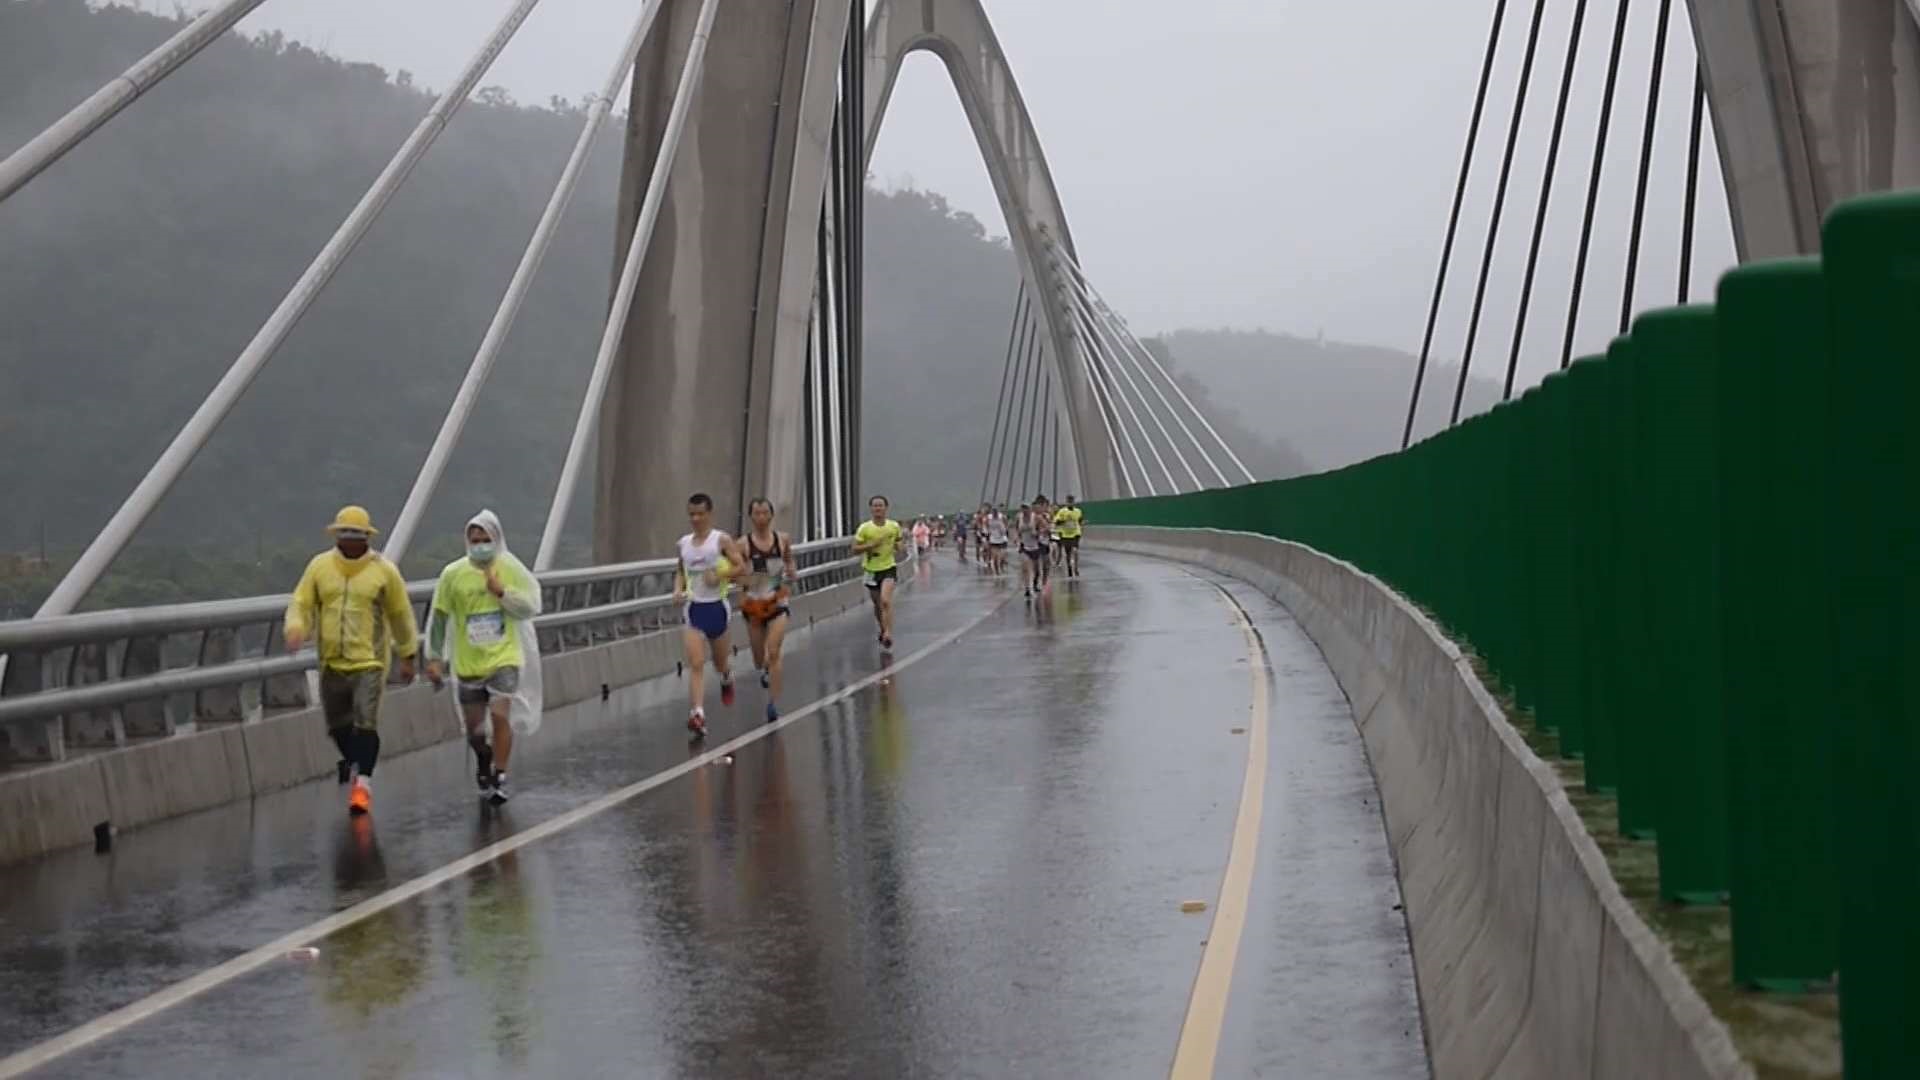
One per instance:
(482, 607)
(352, 603)
(996, 527)
(960, 522)
(922, 537)
(769, 582)
(707, 558)
(879, 542)
(1033, 548)
(1067, 521)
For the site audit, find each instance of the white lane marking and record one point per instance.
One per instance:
(128, 1015)
(1207, 1009)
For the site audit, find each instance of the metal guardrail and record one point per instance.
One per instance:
(102, 678)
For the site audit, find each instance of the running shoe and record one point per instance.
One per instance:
(766, 680)
(772, 713)
(726, 692)
(499, 794)
(484, 778)
(697, 723)
(360, 798)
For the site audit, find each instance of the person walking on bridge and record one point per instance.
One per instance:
(352, 604)
(482, 614)
(707, 559)
(879, 543)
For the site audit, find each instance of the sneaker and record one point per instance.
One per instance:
(697, 723)
(484, 779)
(766, 680)
(772, 713)
(499, 793)
(360, 798)
(726, 692)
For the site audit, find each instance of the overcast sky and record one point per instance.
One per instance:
(1251, 163)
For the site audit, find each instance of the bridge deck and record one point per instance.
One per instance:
(975, 868)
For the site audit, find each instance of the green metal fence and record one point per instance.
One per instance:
(1696, 559)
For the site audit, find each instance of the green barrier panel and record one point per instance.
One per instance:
(1638, 742)
(1775, 701)
(1872, 252)
(1525, 508)
(1683, 570)
(1594, 578)
(1562, 543)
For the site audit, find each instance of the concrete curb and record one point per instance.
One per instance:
(1529, 960)
(52, 807)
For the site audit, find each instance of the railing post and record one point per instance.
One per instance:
(282, 691)
(1776, 674)
(88, 664)
(149, 717)
(1872, 251)
(30, 740)
(217, 704)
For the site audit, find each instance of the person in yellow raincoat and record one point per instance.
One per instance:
(352, 604)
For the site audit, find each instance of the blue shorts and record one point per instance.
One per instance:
(709, 617)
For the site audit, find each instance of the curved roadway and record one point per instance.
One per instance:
(974, 868)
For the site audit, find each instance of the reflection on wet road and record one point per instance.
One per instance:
(974, 868)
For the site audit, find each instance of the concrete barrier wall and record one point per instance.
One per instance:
(1530, 963)
(56, 806)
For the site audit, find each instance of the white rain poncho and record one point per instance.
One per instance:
(519, 606)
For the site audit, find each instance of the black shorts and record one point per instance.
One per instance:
(876, 578)
(477, 691)
(1036, 554)
(1070, 543)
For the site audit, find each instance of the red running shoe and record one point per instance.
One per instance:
(726, 692)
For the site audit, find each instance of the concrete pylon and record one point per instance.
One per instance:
(697, 399)
(957, 31)
(1812, 103)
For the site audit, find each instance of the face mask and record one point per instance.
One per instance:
(480, 552)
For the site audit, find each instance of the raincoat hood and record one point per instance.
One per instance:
(490, 521)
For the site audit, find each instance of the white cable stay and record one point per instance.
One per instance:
(1097, 363)
(105, 103)
(220, 400)
(1157, 366)
(428, 480)
(1119, 347)
(1106, 422)
(616, 325)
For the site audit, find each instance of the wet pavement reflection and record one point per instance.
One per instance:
(973, 868)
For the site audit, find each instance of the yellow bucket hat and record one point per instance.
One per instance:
(353, 519)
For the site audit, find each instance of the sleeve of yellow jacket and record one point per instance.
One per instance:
(304, 602)
(406, 635)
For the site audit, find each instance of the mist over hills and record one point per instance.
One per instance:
(137, 268)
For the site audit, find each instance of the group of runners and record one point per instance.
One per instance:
(351, 603)
(1046, 536)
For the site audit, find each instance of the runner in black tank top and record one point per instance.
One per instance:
(765, 602)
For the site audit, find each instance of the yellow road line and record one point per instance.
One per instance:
(1207, 1009)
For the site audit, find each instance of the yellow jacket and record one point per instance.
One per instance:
(356, 611)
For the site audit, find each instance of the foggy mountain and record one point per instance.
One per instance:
(135, 270)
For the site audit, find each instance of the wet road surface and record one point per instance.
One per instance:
(973, 869)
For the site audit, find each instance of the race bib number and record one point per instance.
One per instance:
(487, 629)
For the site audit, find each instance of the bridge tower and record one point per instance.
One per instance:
(740, 369)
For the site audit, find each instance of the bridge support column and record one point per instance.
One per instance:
(1812, 103)
(697, 400)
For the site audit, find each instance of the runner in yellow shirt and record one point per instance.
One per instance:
(1066, 524)
(879, 542)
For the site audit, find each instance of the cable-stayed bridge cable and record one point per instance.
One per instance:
(1098, 359)
(1593, 183)
(1693, 180)
(1152, 360)
(1546, 194)
(1499, 206)
(1014, 326)
(1016, 405)
(1126, 353)
(104, 104)
(1145, 436)
(1646, 162)
(1105, 409)
(428, 479)
(616, 325)
(1453, 217)
(220, 400)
